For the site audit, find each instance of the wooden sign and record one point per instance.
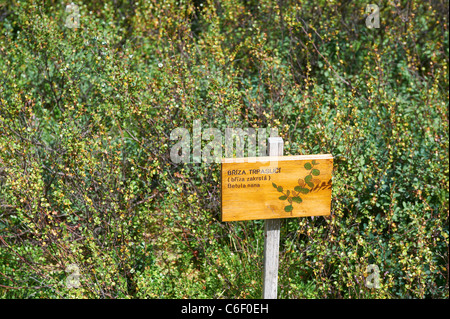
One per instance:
(276, 187)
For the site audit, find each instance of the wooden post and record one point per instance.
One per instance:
(272, 237)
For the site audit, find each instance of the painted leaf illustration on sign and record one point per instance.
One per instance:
(305, 186)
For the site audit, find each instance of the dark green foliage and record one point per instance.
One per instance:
(85, 170)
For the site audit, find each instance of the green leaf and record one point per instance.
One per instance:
(284, 197)
(304, 190)
(360, 177)
(274, 185)
(301, 189)
(308, 165)
(308, 179)
(288, 208)
(310, 184)
(280, 189)
(314, 162)
(297, 199)
(315, 172)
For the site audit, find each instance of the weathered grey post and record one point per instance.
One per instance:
(272, 237)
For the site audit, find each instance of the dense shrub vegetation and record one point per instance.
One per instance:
(85, 171)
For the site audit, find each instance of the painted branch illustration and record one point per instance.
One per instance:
(305, 186)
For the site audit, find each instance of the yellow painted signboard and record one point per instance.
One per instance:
(276, 187)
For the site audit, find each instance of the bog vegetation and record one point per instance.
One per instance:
(88, 191)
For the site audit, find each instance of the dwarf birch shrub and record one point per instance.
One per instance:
(92, 206)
